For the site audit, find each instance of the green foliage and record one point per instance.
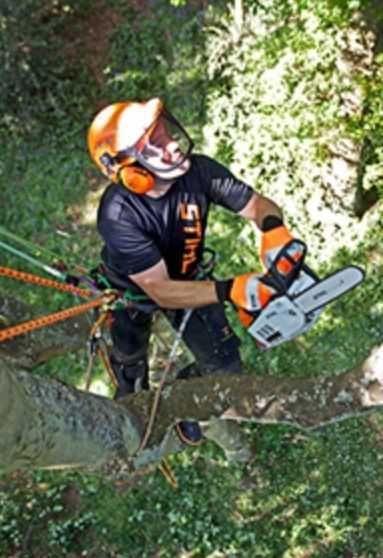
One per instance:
(278, 108)
(160, 55)
(178, 3)
(301, 494)
(37, 78)
(43, 515)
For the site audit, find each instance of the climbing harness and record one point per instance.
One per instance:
(105, 302)
(94, 348)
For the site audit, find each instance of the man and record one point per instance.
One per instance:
(153, 218)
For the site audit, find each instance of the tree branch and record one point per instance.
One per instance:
(47, 424)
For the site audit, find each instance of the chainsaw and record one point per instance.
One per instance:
(301, 300)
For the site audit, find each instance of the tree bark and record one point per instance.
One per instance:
(346, 167)
(44, 423)
(238, 18)
(365, 199)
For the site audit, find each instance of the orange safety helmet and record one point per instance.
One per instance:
(121, 139)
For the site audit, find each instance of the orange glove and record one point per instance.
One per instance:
(250, 291)
(272, 242)
(281, 254)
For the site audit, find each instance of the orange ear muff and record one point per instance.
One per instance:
(137, 179)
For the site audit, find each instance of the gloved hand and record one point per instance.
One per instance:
(250, 292)
(276, 236)
(282, 255)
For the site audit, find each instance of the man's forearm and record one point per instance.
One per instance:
(266, 208)
(182, 294)
(259, 207)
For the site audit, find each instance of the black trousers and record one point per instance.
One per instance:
(207, 334)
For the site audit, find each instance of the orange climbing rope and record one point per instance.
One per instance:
(108, 367)
(37, 323)
(50, 319)
(165, 469)
(37, 280)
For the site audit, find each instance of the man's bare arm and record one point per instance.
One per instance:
(168, 293)
(259, 207)
(172, 294)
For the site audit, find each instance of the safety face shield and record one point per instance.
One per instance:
(163, 149)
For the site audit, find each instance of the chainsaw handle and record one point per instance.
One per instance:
(288, 264)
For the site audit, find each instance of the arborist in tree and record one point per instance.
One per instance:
(152, 218)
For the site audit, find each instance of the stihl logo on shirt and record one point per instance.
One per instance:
(192, 228)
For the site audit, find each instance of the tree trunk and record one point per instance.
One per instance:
(44, 423)
(238, 19)
(344, 174)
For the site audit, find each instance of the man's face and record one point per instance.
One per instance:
(162, 152)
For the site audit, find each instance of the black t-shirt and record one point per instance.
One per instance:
(139, 230)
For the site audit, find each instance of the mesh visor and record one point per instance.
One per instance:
(164, 146)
